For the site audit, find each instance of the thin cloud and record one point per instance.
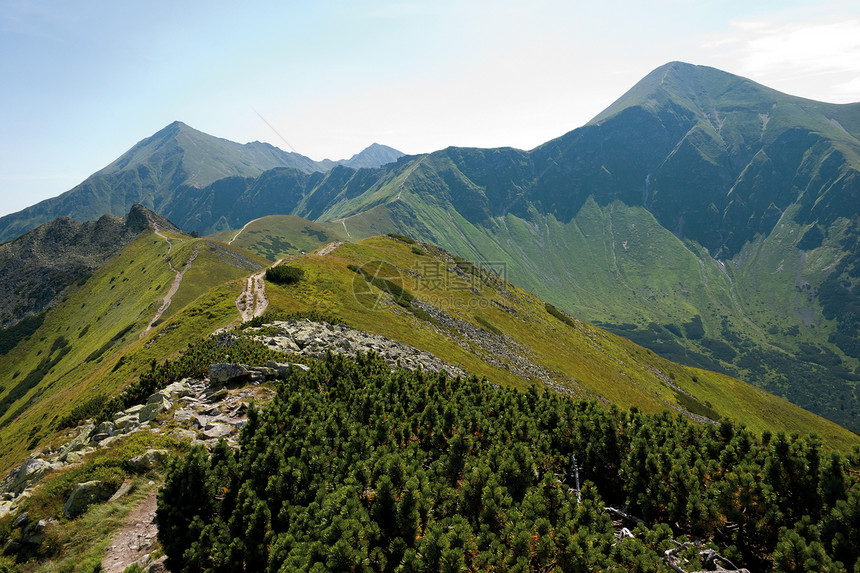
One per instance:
(808, 58)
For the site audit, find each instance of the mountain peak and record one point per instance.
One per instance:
(140, 218)
(374, 155)
(692, 87)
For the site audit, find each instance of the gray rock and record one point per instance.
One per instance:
(123, 489)
(22, 519)
(183, 415)
(282, 369)
(158, 565)
(72, 457)
(25, 475)
(179, 389)
(126, 419)
(84, 495)
(222, 373)
(182, 434)
(159, 396)
(106, 427)
(6, 507)
(217, 430)
(219, 395)
(154, 408)
(96, 438)
(80, 441)
(148, 460)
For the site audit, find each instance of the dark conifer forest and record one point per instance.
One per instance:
(354, 467)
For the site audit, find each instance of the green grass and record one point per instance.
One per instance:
(102, 322)
(278, 236)
(80, 544)
(583, 357)
(578, 355)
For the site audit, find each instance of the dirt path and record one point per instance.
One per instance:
(165, 304)
(253, 301)
(343, 222)
(239, 232)
(135, 539)
(329, 248)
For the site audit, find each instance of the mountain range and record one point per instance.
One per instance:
(175, 160)
(704, 216)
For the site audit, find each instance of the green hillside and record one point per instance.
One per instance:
(277, 236)
(707, 217)
(89, 345)
(94, 344)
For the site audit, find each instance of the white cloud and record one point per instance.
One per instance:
(817, 57)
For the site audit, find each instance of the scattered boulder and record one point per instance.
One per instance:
(180, 389)
(72, 457)
(123, 420)
(153, 408)
(80, 441)
(158, 565)
(223, 373)
(282, 369)
(183, 434)
(123, 489)
(315, 339)
(131, 410)
(6, 507)
(84, 495)
(106, 427)
(148, 460)
(25, 475)
(217, 430)
(22, 519)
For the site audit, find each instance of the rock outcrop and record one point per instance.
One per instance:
(84, 495)
(314, 339)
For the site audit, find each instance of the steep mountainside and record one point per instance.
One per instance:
(39, 267)
(176, 159)
(106, 388)
(703, 215)
(162, 292)
(706, 216)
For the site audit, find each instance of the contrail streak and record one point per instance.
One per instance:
(275, 130)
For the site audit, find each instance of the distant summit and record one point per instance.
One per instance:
(158, 167)
(373, 156)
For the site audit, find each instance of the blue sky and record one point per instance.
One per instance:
(84, 81)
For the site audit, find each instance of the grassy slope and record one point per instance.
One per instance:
(278, 236)
(121, 297)
(615, 264)
(589, 360)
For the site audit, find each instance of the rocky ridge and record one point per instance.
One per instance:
(314, 339)
(37, 269)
